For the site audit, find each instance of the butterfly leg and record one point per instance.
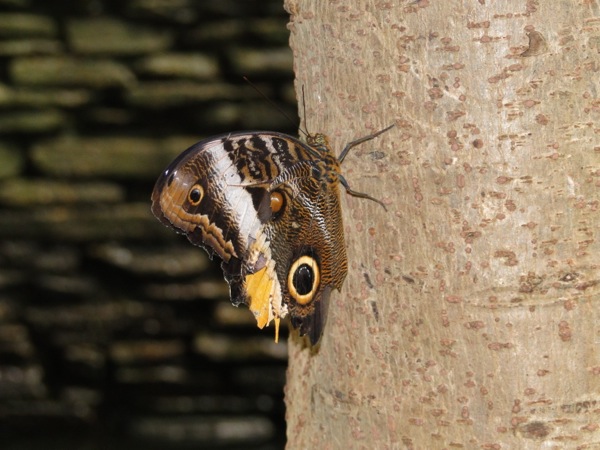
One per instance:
(358, 194)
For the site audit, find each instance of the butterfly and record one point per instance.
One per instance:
(268, 205)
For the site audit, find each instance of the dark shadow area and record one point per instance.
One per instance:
(115, 332)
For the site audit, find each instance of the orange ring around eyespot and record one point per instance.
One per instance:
(199, 190)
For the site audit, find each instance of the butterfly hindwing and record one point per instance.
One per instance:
(309, 239)
(222, 193)
(269, 206)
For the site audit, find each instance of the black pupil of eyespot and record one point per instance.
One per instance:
(303, 280)
(195, 195)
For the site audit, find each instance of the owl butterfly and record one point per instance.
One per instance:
(269, 206)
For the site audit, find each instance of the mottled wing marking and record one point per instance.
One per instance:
(238, 173)
(188, 222)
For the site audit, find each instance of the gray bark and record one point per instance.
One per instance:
(469, 318)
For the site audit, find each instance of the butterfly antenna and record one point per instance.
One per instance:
(305, 131)
(271, 102)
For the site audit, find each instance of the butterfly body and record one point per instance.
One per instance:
(220, 194)
(269, 206)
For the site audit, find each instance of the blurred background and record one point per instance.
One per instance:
(114, 331)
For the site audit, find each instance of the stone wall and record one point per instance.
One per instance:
(114, 330)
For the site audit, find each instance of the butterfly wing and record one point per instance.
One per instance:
(307, 234)
(203, 195)
(268, 206)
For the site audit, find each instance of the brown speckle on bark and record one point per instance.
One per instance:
(564, 331)
(510, 259)
(537, 44)
(534, 430)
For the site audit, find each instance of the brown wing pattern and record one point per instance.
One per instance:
(268, 206)
(308, 235)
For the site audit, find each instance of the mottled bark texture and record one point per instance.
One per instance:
(469, 318)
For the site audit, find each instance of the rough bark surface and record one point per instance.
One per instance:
(469, 318)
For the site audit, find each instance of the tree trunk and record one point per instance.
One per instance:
(469, 318)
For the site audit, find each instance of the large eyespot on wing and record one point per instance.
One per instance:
(304, 278)
(311, 299)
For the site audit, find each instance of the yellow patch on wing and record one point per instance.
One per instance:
(262, 287)
(260, 290)
(258, 287)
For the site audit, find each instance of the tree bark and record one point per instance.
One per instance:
(469, 318)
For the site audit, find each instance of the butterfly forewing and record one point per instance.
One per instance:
(218, 193)
(268, 205)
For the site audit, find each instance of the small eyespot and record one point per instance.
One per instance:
(277, 202)
(195, 195)
(303, 279)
